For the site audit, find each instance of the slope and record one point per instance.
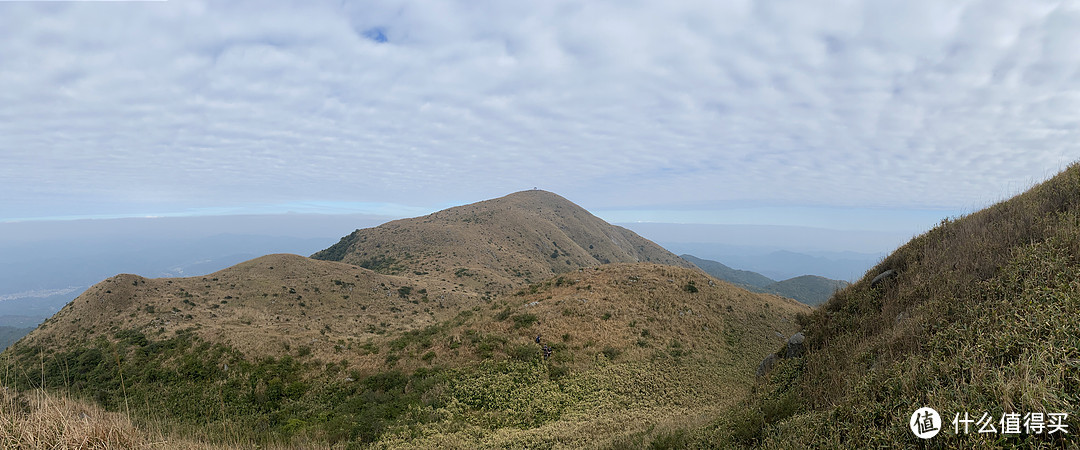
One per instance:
(494, 245)
(292, 302)
(978, 317)
(637, 348)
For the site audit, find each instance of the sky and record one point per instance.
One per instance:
(881, 116)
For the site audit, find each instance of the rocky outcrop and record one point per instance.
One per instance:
(882, 277)
(795, 345)
(767, 364)
(794, 348)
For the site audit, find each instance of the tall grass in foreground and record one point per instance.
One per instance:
(37, 420)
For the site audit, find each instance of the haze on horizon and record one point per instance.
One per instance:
(859, 116)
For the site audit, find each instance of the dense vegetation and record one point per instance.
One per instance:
(188, 381)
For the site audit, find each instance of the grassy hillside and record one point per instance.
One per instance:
(497, 244)
(983, 316)
(809, 289)
(637, 349)
(291, 301)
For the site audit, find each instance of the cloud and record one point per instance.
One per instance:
(132, 107)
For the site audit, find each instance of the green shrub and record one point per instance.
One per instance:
(610, 352)
(524, 320)
(523, 352)
(690, 287)
(503, 315)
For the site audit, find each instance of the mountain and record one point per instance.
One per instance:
(492, 245)
(977, 318)
(779, 263)
(725, 273)
(809, 289)
(435, 347)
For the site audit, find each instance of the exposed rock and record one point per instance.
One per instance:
(795, 345)
(882, 277)
(766, 364)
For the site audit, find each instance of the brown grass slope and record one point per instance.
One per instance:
(631, 310)
(263, 307)
(638, 350)
(983, 316)
(497, 244)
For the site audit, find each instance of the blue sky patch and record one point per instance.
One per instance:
(377, 34)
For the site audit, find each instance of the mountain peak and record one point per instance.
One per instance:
(496, 244)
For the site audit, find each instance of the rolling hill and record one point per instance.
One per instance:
(436, 345)
(809, 289)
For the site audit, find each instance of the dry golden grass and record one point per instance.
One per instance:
(36, 420)
(636, 308)
(39, 420)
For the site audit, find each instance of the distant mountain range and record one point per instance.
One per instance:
(779, 263)
(8, 335)
(809, 289)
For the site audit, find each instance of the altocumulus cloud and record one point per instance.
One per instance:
(696, 104)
